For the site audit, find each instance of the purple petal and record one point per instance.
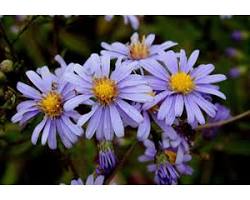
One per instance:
(196, 110)
(156, 99)
(99, 180)
(105, 63)
(63, 137)
(170, 117)
(189, 111)
(208, 107)
(170, 59)
(92, 126)
(207, 90)
(165, 107)
(116, 121)
(140, 98)
(67, 132)
(210, 79)
(28, 91)
(75, 102)
(136, 89)
(183, 61)
(144, 128)
(52, 136)
(179, 105)
(76, 80)
(37, 81)
(179, 156)
(122, 72)
(155, 68)
(46, 131)
(132, 80)
(77, 130)
(150, 39)
(90, 180)
(84, 118)
(202, 70)
(26, 105)
(27, 116)
(192, 59)
(82, 72)
(155, 83)
(108, 131)
(38, 130)
(130, 111)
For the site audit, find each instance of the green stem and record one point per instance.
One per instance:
(5, 37)
(222, 123)
(24, 29)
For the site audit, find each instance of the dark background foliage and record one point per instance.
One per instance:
(33, 41)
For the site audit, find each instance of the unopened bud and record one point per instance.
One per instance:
(6, 66)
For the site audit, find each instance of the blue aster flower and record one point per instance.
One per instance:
(47, 98)
(106, 157)
(136, 50)
(110, 93)
(179, 85)
(222, 113)
(91, 180)
(128, 19)
(168, 163)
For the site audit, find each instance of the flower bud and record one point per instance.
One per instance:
(6, 66)
(106, 157)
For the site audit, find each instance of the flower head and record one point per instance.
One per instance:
(110, 94)
(48, 99)
(168, 163)
(178, 85)
(137, 50)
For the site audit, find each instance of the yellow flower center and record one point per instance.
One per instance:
(51, 104)
(181, 82)
(171, 156)
(105, 90)
(139, 50)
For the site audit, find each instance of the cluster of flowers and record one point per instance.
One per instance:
(148, 84)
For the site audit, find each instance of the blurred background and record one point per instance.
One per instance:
(28, 42)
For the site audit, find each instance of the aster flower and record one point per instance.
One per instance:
(168, 163)
(128, 19)
(91, 180)
(110, 92)
(179, 85)
(136, 50)
(48, 99)
(222, 113)
(106, 157)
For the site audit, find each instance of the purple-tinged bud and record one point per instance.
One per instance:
(238, 35)
(106, 158)
(233, 53)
